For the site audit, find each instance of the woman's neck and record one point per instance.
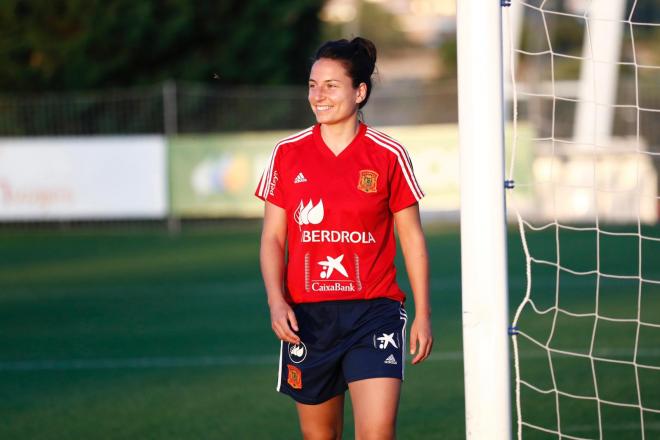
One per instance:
(338, 136)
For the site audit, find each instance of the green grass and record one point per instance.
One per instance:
(128, 332)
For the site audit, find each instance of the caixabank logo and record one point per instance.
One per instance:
(334, 277)
(334, 273)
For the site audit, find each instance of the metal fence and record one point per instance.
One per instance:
(188, 108)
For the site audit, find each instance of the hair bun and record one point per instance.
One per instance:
(365, 47)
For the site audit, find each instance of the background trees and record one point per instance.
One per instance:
(90, 44)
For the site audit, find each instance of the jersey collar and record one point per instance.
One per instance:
(326, 151)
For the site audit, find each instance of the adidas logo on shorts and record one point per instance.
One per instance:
(391, 360)
(300, 178)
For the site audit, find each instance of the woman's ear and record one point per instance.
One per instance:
(361, 93)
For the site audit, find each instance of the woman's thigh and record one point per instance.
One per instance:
(324, 421)
(375, 405)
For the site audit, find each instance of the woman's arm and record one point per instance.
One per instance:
(271, 257)
(413, 245)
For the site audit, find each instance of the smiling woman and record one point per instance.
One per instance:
(331, 93)
(341, 77)
(334, 193)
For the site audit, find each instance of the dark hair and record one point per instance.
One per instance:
(358, 57)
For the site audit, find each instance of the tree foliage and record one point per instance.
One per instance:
(87, 44)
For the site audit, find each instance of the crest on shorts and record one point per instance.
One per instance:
(297, 353)
(368, 181)
(295, 377)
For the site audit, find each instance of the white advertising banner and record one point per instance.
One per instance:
(74, 178)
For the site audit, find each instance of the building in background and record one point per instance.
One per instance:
(423, 25)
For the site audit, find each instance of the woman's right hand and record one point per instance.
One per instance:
(283, 322)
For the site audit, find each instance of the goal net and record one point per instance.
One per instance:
(583, 154)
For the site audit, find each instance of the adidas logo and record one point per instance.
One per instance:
(300, 178)
(391, 360)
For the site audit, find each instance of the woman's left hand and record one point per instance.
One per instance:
(421, 339)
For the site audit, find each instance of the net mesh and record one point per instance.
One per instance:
(585, 112)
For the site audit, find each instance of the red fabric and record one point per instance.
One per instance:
(340, 213)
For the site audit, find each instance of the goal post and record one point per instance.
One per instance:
(483, 223)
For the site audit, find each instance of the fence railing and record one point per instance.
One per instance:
(188, 108)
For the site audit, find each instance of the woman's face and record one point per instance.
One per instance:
(331, 94)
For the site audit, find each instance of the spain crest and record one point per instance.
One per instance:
(295, 377)
(368, 181)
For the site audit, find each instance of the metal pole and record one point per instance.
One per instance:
(599, 73)
(170, 108)
(483, 224)
(170, 126)
(352, 27)
(511, 31)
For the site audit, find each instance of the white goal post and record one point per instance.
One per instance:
(583, 178)
(483, 224)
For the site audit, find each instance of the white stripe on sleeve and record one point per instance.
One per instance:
(407, 172)
(267, 177)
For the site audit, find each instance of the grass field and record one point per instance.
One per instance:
(128, 332)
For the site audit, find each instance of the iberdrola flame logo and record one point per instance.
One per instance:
(309, 214)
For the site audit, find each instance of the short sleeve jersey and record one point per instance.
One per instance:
(339, 209)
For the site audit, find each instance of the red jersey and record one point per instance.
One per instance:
(340, 227)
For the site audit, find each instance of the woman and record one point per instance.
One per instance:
(334, 193)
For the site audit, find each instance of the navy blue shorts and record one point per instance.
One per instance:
(341, 342)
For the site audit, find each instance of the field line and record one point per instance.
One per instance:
(221, 361)
(139, 362)
(652, 426)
